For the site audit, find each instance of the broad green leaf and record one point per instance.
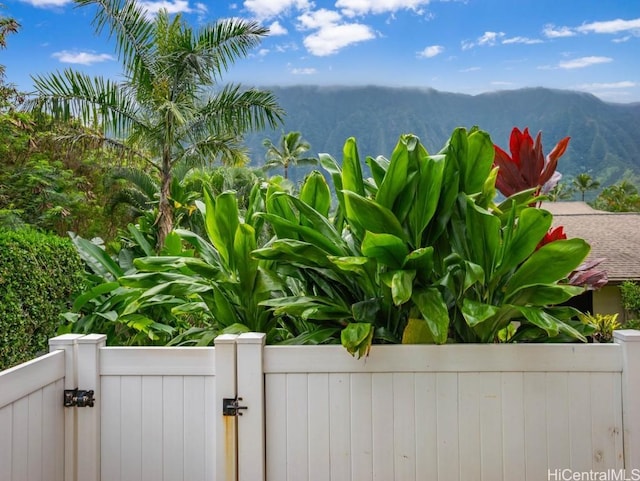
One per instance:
(315, 193)
(549, 264)
(97, 259)
(295, 231)
(378, 168)
(417, 332)
(545, 294)
(532, 225)
(222, 220)
(538, 317)
(475, 312)
(434, 311)
(140, 240)
(366, 215)
(352, 179)
(202, 246)
(477, 162)
(395, 179)
(247, 267)
(365, 311)
(357, 338)
(172, 244)
(427, 196)
(93, 293)
(387, 249)
(484, 236)
(294, 251)
(355, 264)
(402, 286)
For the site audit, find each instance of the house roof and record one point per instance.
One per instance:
(614, 236)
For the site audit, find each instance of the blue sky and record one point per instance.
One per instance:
(467, 46)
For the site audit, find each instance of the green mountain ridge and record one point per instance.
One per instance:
(604, 136)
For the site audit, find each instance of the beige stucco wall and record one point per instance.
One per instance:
(608, 301)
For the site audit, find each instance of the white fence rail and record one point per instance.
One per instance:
(463, 412)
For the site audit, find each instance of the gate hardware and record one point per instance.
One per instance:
(231, 407)
(78, 398)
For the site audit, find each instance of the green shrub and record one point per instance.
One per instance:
(630, 292)
(39, 275)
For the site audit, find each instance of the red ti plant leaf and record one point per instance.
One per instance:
(588, 276)
(554, 234)
(526, 167)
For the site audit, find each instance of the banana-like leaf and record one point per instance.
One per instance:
(352, 179)
(434, 311)
(427, 196)
(387, 249)
(395, 179)
(294, 251)
(203, 247)
(475, 312)
(540, 318)
(378, 168)
(484, 236)
(366, 215)
(94, 293)
(477, 161)
(549, 264)
(221, 222)
(545, 294)
(246, 266)
(97, 259)
(417, 332)
(524, 237)
(316, 193)
(357, 338)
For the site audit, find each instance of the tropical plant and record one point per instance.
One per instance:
(620, 197)
(527, 167)
(420, 252)
(604, 325)
(583, 183)
(630, 293)
(8, 26)
(560, 192)
(289, 153)
(170, 105)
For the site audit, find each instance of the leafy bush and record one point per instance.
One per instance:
(39, 274)
(604, 325)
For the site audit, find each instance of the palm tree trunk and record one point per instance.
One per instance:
(165, 212)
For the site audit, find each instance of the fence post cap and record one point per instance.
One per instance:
(92, 339)
(627, 335)
(252, 338)
(225, 339)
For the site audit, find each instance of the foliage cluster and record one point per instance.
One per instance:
(419, 252)
(630, 293)
(38, 275)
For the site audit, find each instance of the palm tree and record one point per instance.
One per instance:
(170, 105)
(584, 182)
(290, 152)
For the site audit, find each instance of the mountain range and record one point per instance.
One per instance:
(605, 137)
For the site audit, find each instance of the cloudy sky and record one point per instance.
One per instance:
(466, 46)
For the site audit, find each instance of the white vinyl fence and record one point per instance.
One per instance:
(454, 412)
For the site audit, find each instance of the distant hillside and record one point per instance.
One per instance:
(605, 139)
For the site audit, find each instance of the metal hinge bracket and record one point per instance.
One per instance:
(231, 406)
(78, 398)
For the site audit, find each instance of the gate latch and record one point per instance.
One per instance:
(78, 398)
(231, 406)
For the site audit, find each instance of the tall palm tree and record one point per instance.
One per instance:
(170, 105)
(290, 152)
(584, 182)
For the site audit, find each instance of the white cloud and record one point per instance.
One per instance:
(625, 84)
(470, 69)
(583, 62)
(83, 58)
(48, 3)
(304, 71)
(352, 8)
(431, 51)
(487, 39)
(524, 40)
(171, 6)
(626, 38)
(276, 29)
(612, 26)
(551, 31)
(332, 38)
(332, 34)
(271, 8)
(319, 19)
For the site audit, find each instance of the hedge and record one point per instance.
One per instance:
(39, 275)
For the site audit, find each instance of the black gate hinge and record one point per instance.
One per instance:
(231, 406)
(78, 398)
